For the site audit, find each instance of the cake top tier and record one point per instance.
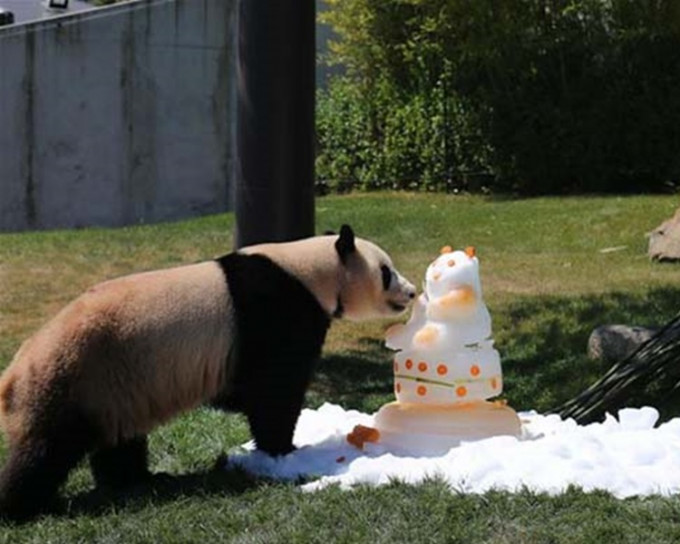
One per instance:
(450, 314)
(452, 285)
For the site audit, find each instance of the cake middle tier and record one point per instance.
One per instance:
(471, 373)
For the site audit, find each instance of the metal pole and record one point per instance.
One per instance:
(274, 193)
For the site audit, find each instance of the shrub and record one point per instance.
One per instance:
(379, 136)
(534, 96)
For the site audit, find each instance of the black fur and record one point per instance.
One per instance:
(122, 465)
(39, 465)
(281, 328)
(345, 243)
(339, 309)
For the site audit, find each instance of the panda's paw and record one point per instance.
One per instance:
(277, 451)
(125, 482)
(159, 478)
(19, 513)
(288, 450)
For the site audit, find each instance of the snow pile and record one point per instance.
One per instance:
(627, 456)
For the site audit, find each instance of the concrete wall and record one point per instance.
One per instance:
(119, 115)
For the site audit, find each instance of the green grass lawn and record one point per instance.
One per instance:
(547, 283)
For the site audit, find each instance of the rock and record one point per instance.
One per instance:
(664, 240)
(613, 343)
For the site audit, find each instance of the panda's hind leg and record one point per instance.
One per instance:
(36, 466)
(122, 465)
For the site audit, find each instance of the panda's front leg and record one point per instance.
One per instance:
(274, 402)
(272, 421)
(272, 411)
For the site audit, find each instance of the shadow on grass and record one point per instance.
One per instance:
(542, 341)
(360, 379)
(165, 488)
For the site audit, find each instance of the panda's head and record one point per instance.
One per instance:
(350, 277)
(369, 286)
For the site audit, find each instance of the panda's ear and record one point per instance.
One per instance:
(345, 243)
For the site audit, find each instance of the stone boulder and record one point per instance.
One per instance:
(664, 240)
(613, 343)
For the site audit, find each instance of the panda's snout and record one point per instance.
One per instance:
(401, 294)
(407, 289)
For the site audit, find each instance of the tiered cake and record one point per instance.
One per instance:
(446, 366)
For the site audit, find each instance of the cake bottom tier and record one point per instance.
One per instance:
(433, 429)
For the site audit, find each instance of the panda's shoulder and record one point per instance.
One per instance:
(259, 285)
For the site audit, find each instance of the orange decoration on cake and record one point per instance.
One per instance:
(470, 251)
(426, 336)
(362, 434)
(446, 249)
(456, 297)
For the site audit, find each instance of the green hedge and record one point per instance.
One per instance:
(380, 138)
(523, 95)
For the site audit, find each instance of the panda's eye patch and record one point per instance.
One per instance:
(386, 276)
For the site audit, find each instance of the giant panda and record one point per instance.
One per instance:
(241, 333)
